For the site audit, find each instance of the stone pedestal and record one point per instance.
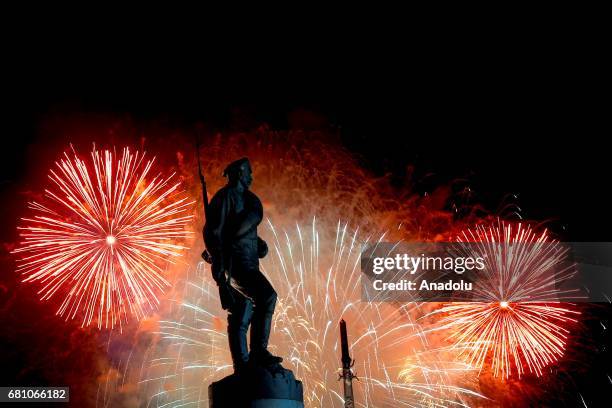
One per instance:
(257, 387)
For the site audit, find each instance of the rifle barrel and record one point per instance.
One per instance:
(202, 179)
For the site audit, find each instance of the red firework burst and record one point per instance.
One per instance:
(521, 325)
(101, 236)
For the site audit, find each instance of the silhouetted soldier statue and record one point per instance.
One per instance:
(231, 238)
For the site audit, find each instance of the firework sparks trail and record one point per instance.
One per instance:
(317, 280)
(101, 236)
(521, 325)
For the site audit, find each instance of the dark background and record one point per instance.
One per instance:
(529, 122)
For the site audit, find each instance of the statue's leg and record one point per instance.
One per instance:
(238, 321)
(265, 302)
(255, 286)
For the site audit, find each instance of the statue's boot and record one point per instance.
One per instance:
(261, 326)
(238, 324)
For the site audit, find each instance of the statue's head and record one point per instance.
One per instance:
(239, 171)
